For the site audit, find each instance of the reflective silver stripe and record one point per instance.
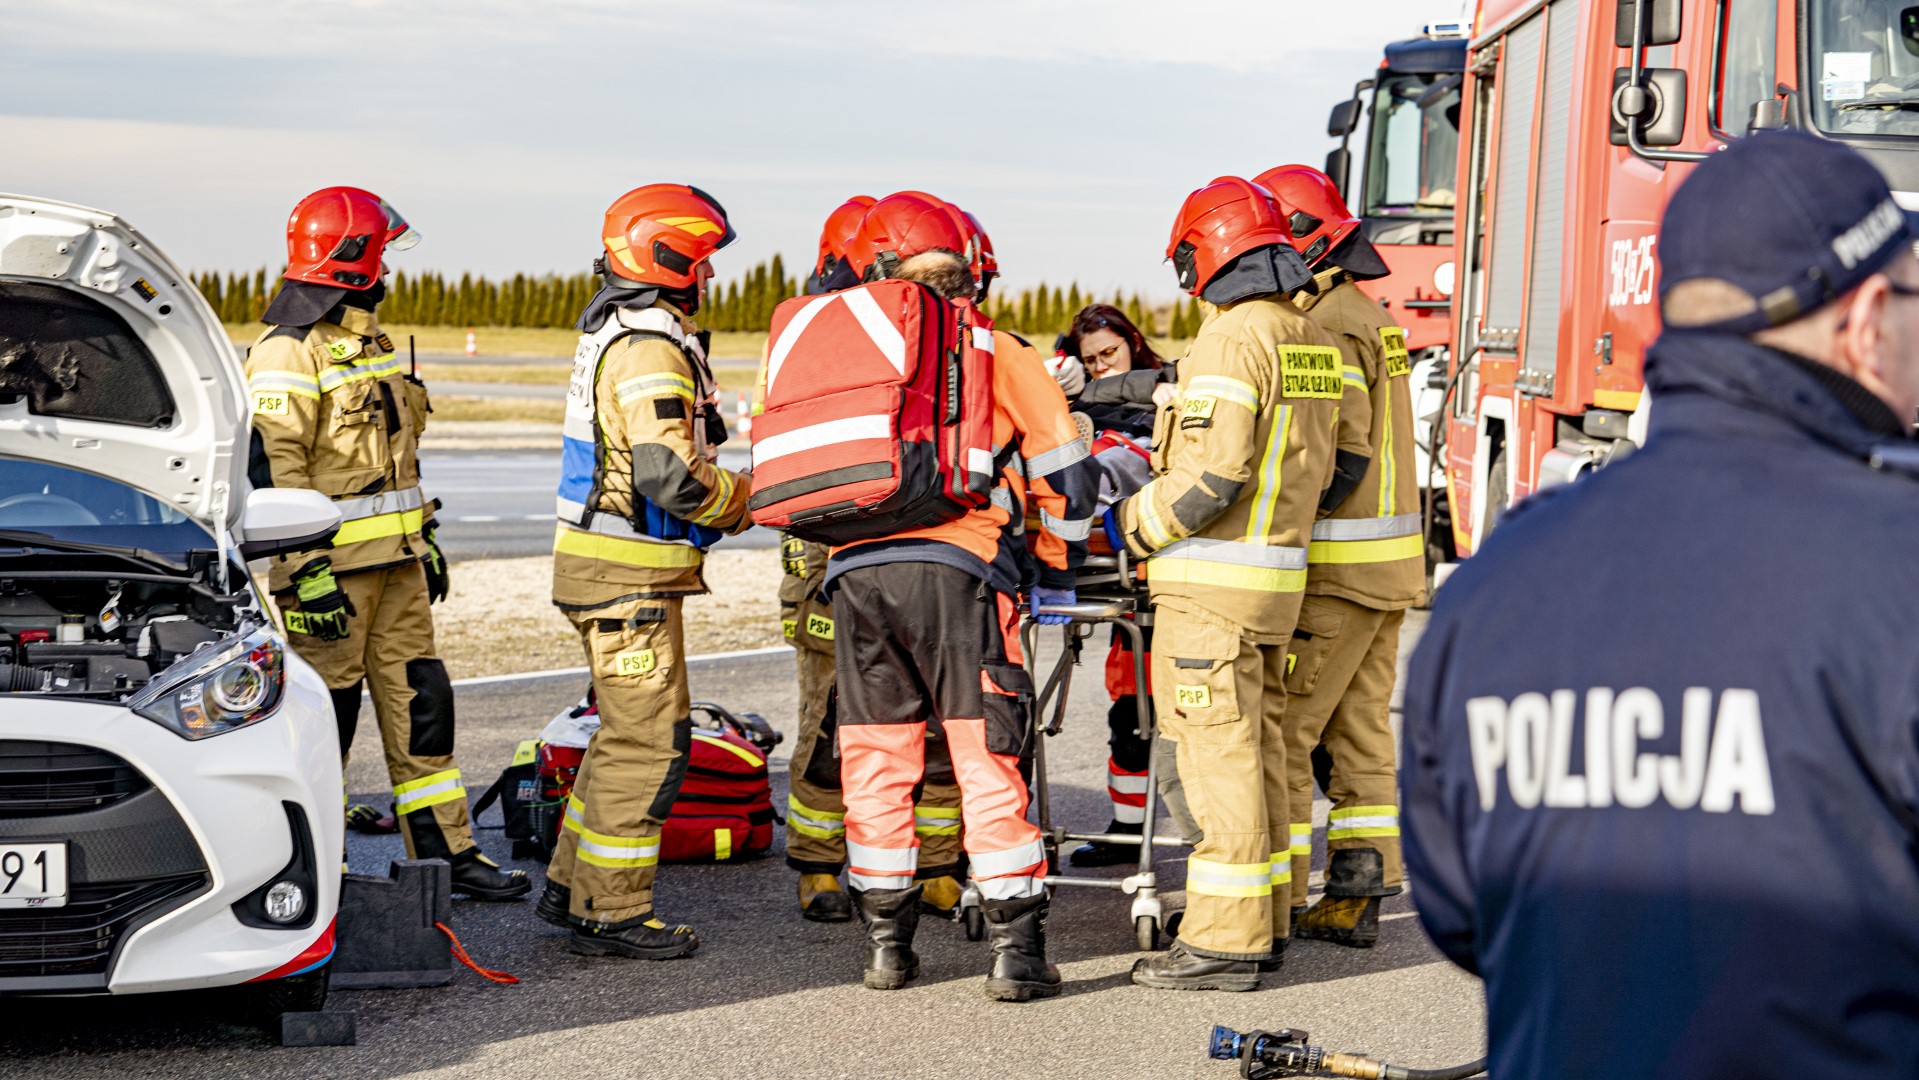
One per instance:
(1236, 552)
(865, 882)
(570, 511)
(877, 859)
(987, 864)
(386, 502)
(1011, 888)
(1077, 529)
(1055, 459)
(1375, 528)
(1003, 498)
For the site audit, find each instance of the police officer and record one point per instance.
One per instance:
(1242, 463)
(336, 411)
(640, 500)
(815, 809)
(1660, 786)
(1365, 567)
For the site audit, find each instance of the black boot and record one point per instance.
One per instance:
(478, 877)
(891, 916)
(1020, 971)
(555, 905)
(1273, 962)
(1179, 969)
(642, 938)
(1101, 853)
(1349, 912)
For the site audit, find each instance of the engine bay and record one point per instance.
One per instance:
(91, 634)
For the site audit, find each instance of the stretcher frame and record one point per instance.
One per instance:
(1109, 595)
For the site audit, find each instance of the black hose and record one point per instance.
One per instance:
(1456, 1072)
(15, 679)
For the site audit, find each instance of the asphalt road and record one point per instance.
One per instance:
(770, 994)
(498, 504)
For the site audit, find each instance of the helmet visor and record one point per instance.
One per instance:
(399, 235)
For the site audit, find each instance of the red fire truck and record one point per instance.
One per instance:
(1579, 119)
(1405, 192)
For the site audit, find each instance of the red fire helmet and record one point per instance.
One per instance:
(1316, 217)
(657, 235)
(900, 226)
(337, 236)
(1217, 224)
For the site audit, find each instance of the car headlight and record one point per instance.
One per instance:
(217, 688)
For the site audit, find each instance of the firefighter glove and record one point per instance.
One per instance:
(1044, 597)
(437, 579)
(324, 606)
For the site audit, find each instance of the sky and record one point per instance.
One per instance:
(1071, 128)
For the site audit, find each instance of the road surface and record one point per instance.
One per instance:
(770, 994)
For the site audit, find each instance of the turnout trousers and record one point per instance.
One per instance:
(815, 810)
(1220, 699)
(930, 649)
(389, 650)
(1339, 695)
(610, 844)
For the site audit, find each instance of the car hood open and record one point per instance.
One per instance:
(111, 362)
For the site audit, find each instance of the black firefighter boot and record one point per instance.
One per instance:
(1349, 912)
(1020, 971)
(642, 938)
(555, 905)
(480, 878)
(1102, 853)
(891, 916)
(1179, 968)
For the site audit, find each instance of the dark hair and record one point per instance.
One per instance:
(1107, 317)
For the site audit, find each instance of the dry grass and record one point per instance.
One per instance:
(456, 410)
(500, 618)
(508, 340)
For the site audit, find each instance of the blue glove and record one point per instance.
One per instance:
(1110, 522)
(1044, 597)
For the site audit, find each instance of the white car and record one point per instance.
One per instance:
(169, 769)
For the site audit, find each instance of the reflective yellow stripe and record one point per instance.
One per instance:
(808, 821)
(1354, 375)
(936, 820)
(722, 844)
(1230, 879)
(612, 852)
(1356, 822)
(405, 523)
(1623, 400)
(427, 791)
(1270, 470)
(1282, 867)
(614, 549)
(1150, 522)
(658, 385)
(290, 382)
(1387, 469)
(1225, 388)
(1227, 575)
(1346, 552)
(740, 752)
(1356, 834)
(1302, 836)
(723, 494)
(376, 367)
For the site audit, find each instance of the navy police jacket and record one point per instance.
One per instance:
(1660, 775)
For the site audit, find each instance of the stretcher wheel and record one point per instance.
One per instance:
(974, 920)
(1146, 933)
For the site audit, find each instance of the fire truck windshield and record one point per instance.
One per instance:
(1414, 147)
(1864, 55)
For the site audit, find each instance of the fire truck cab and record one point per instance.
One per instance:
(1580, 118)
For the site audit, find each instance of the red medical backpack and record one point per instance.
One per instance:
(878, 414)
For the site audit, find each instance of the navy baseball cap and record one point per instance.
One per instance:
(1790, 220)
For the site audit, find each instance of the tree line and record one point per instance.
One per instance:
(746, 303)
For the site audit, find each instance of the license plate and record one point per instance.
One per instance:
(33, 875)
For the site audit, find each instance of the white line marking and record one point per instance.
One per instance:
(741, 654)
(536, 517)
(478, 517)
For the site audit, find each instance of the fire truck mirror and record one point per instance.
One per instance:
(1661, 21)
(1657, 105)
(1768, 114)
(1909, 29)
(1339, 166)
(1344, 118)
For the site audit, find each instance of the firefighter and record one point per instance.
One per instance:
(927, 621)
(1648, 688)
(1242, 461)
(336, 411)
(1366, 565)
(816, 814)
(640, 500)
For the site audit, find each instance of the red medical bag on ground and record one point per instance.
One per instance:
(878, 414)
(725, 805)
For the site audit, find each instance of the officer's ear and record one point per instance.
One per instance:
(1863, 341)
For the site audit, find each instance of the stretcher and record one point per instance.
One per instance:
(1109, 594)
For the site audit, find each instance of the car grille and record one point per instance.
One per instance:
(79, 939)
(41, 778)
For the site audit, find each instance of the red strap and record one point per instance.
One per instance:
(459, 953)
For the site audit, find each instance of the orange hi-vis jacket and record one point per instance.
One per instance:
(1047, 464)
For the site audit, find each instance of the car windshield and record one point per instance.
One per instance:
(64, 504)
(1864, 55)
(1414, 147)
